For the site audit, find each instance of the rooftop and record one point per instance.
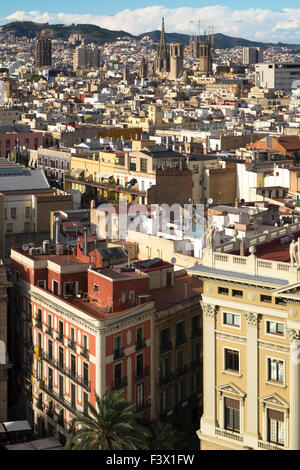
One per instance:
(168, 296)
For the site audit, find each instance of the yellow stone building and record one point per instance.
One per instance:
(251, 339)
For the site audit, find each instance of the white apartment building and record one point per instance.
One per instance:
(277, 76)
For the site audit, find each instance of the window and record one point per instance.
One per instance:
(72, 335)
(165, 343)
(41, 284)
(140, 395)
(237, 293)
(50, 349)
(180, 337)
(223, 290)
(165, 368)
(26, 227)
(165, 400)
(85, 373)
(85, 343)
(9, 228)
(139, 336)
(73, 395)
(196, 354)
(13, 212)
(132, 164)
(55, 288)
(266, 298)
(180, 391)
(61, 329)
(231, 319)
(196, 322)
(73, 365)
(27, 211)
(275, 328)
(144, 165)
(85, 404)
(275, 370)
(50, 378)
(61, 386)
(179, 360)
(232, 415)
(117, 374)
(276, 426)
(61, 357)
(139, 365)
(95, 288)
(232, 360)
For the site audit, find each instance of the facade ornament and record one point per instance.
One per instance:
(209, 310)
(252, 319)
(294, 253)
(210, 236)
(294, 335)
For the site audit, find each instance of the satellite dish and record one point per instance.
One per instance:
(173, 260)
(25, 247)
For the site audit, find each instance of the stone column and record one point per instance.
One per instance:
(294, 389)
(251, 431)
(208, 421)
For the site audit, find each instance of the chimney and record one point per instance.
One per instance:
(242, 247)
(236, 204)
(185, 290)
(85, 243)
(57, 221)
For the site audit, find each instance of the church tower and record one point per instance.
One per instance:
(162, 61)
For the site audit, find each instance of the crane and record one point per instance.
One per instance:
(196, 21)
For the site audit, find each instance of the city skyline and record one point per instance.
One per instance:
(268, 23)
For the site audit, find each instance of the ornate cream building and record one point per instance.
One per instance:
(251, 352)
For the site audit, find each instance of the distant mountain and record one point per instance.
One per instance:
(61, 31)
(30, 29)
(221, 41)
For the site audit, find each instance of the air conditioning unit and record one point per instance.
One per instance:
(39, 251)
(31, 251)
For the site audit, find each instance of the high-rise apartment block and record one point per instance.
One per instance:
(43, 52)
(252, 55)
(87, 57)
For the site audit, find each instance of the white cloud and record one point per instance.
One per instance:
(256, 24)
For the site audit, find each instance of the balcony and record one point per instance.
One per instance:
(39, 324)
(269, 446)
(120, 383)
(229, 435)
(180, 340)
(118, 353)
(146, 403)
(167, 378)
(82, 381)
(141, 344)
(196, 333)
(181, 371)
(141, 374)
(60, 337)
(195, 364)
(165, 347)
(72, 344)
(49, 331)
(85, 353)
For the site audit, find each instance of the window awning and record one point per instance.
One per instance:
(13, 426)
(77, 172)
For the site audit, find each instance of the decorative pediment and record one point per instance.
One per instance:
(231, 388)
(274, 399)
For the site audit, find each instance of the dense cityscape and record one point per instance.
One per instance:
(149, 240)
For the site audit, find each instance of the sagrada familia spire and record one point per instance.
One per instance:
(162, 61)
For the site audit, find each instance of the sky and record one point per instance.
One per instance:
(269, 21)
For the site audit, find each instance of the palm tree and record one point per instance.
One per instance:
(113, 426)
